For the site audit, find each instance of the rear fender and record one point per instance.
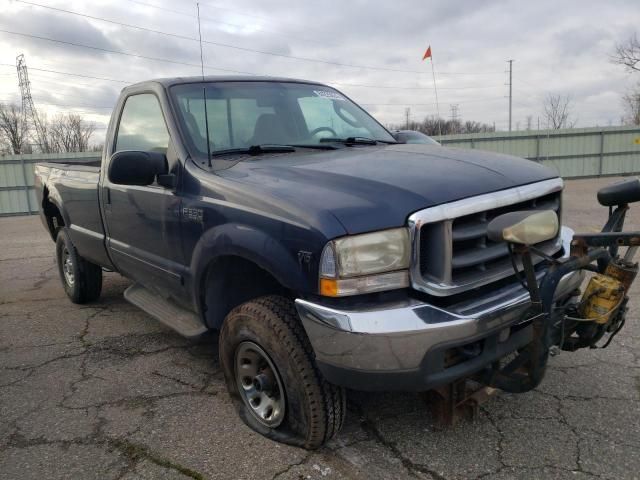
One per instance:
(52, 196)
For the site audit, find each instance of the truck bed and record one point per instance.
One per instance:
(73, 189)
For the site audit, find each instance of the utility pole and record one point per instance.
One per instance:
(407, 115)
(510, 90)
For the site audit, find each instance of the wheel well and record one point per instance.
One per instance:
(52, 214)
(230, 281)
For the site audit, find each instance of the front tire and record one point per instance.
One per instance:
(271, 375)
(81, 279)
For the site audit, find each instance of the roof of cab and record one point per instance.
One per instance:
(168, 82)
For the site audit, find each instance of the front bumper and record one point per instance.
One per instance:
(409, 345)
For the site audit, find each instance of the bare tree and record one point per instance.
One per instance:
(557, 109)
(471, 126)
(13, 130)
(628, 54)
(69, 133)
(632, 107)
(432, 126)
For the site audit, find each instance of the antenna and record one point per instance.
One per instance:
(200, 38)
(204, 90)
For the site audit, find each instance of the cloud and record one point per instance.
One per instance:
(57, 26)
(558, 47)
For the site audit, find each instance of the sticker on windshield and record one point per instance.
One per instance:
(329, 94)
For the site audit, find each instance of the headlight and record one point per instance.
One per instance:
(370, 262)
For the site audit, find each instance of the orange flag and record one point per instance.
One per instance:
(427, 54)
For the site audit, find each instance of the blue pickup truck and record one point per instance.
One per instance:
(327, 254)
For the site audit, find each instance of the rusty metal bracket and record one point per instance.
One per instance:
(457, 401)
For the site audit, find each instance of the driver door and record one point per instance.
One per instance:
(142, 222)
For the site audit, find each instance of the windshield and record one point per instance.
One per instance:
(245, 114)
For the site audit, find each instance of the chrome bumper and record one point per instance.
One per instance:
(397, 337)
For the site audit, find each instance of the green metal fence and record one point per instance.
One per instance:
(576, 152)
(17, 195)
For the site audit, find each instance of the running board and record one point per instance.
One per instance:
(183, 321)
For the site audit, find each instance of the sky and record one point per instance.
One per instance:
(371, 51)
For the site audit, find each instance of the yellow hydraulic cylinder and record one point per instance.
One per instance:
(600, 299)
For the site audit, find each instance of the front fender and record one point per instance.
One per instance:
(254, 245)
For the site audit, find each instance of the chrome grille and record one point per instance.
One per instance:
(451, 250)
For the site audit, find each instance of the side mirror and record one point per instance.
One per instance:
(524, 228)
(136, 168)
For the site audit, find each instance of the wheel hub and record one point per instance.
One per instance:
(67, 267)
(259, 384)
(262, 383)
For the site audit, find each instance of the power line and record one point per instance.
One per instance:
(53, 104)
(236, 25)
(470, 73)
(166, 60)
(76, 108)
(394, 87)
(102, 19)
(57, 81)
(224, 45)
(207, 4)
(186, 14)
(120, 52)
(71, 74)
(409, 104)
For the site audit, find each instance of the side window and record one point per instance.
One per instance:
(142, 125)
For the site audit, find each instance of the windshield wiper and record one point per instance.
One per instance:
(351, 140)
(316, 146)
(255, 150)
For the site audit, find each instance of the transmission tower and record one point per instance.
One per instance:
(454, 112)
(29, 112)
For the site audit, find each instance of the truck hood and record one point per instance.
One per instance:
(372, 188)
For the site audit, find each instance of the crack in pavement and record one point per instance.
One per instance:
(286, 470)
(136, 452)
(369, 426)
(102, 420)
(133, 452)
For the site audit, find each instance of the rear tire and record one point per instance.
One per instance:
(312, 410)
(81, 279)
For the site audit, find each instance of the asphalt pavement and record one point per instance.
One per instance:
(104, 391)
